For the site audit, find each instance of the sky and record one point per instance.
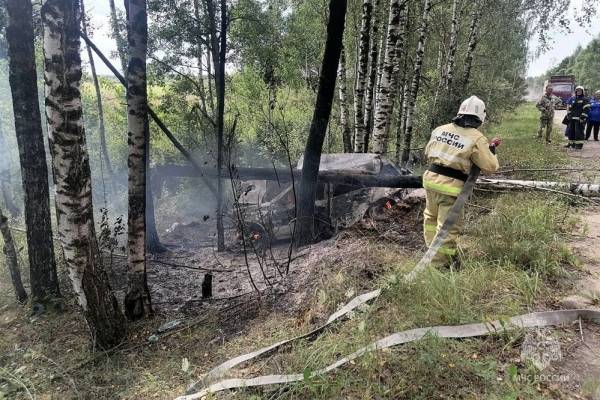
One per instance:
(99, 13)
(563, 44)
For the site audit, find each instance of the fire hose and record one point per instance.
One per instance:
(532, 320)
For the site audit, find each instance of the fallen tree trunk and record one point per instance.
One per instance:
(284, 175)
(582, 189)
(391, 181)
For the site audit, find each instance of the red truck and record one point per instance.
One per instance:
(564, 87)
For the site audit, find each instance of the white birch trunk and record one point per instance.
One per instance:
(137, 300)
(115, 26)
(372, 82)
(416, 79)
(473, 40)
(200, 56)
(450, 60)
(387, 87)
(361, 79)
(72, 176)
(344, 112)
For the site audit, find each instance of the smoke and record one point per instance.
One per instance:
(535, 89)
(10, 173)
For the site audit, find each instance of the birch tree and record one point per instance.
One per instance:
(372, 81)
(200, 56)
(344, 112)
(12, 263)
(137, 299)
(30, 140)
(361, 76)
(416, 79)
(387, 86)
(472, 45)
(70, 161)
(101, 129)
(116, 27)
(452, 46)
(152, 240)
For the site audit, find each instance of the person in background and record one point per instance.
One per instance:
(593, 120)
(546, 104)
(451, 152)
(576, 117)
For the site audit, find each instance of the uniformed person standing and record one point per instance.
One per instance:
(576, 118)
(451, 151)
(546, 105)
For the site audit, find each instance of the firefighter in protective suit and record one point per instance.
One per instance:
(451, 151)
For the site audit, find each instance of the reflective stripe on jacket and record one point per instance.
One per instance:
(459, 148)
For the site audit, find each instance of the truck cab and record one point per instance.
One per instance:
(564, 88)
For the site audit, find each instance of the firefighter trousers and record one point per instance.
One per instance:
(436, 210)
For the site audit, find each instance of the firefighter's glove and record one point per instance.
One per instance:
(495, 143)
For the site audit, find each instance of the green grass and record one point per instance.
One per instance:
(527, 230)
(521, 150)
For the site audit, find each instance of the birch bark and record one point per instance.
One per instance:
(361, 78)
(117, 33)
(416, 79)
(372, 82)
(137, 300)
(473, 41)
(449, 72)
(344, 112)
(32, 155)
(70, 161)
(387, 87)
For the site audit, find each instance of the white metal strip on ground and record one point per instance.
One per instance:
(533, 320)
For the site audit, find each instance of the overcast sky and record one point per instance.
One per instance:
(562, 46)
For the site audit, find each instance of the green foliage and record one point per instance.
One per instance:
(584, 63)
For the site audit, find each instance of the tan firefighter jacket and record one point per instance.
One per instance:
(457, 148)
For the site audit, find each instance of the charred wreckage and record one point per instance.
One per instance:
(350, 187)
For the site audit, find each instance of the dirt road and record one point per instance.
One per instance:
(581, 361)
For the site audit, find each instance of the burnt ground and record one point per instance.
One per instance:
(176, 277)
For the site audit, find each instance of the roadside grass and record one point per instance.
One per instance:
(514, 261)
(521, 150)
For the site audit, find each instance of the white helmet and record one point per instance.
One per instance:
(580, 87)
(473, 106)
